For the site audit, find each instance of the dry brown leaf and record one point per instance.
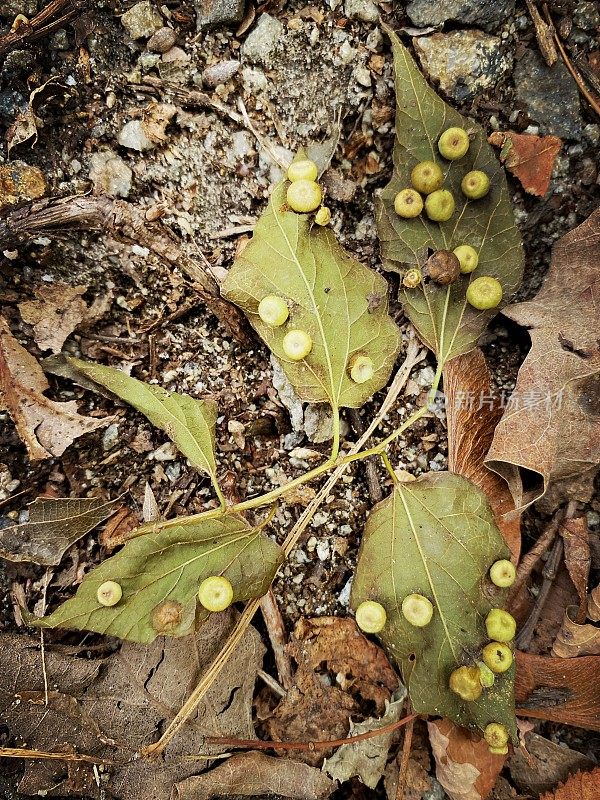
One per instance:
(472, 413)
(541, 764)
(551, 428)
(55, 314)
(576, 639)
(564, 691)
(582, 786)
(530, 158)
(464, 765)
(576, 538)
(593, 607)
(46, 427)
(256, 774)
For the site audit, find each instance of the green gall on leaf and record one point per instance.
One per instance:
(496, 735)
(453, 143)
(503, 573)
(167, 617)
(475, 184)
(497, 656)
(297, 345)
(484, 293)
(500, 625)
(302, 170)
(426, 177)
(215, 593)
(408, 204)
(304, 196)
(417, 609)
(499, 751)
(465, 682)
(412, 278)
(361, 369)
(439, 205)
(109, 593)
(273, 310)
(467, 257)
(323, 216)
(486, 676)
(370, 616)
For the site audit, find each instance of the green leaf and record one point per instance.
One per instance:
(444, 320)
(54, 525)
(169, 566)
(332, 296)
(188, 422)
(437, 537)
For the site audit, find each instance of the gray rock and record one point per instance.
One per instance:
(142, 20)
(10, 8)
(219, 73)
(550, 96)
(211, 13)
(463, 63)
(161, 41)
(586, 15)
(110, 174)
(263, 40)
(17, 61)
(364, 10)
(488, 14)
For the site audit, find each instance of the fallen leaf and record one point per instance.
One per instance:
(255, 774)
(53, 526)
(160, 572)
(436, 536)
(530, 158)
(593, 607)
(543, 764)
(463, 762)
(367, 759)
(25, 125)
(550, 430)
(576, 538)
(581, 786)
(472, 413)
(559, 690)
(46, 427)
(575, 639)
(446, 323)
(58, 310)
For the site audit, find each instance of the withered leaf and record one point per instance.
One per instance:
(578, 558)
(593, 605)
(551, 427)
(542, 763)
(46, 427)
(581, 786)
(530, 158)
(55, 314)
(576, 639)
(54, 525)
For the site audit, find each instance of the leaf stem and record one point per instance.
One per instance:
(389, 466)
(335, 447)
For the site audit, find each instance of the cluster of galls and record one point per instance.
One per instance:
(445, 266)
(468, 682)
(304, 193)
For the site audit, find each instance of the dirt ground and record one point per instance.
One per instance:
(206, 173)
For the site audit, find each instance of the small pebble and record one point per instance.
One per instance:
(142, 20)
(161, 41)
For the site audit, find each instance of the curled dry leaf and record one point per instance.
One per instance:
(576, 639)
(463, 762)
(55, 314)
(593, 607)
(530, 158)
(541, 764)
(46, 427)
(472, 413)
(551, 428)
(559, 690)
(582, 786)
(576, 539)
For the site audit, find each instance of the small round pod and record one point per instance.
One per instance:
(484, 293)
(464, 682)
(496, 735)
(417, 610)
(302, 170)
(468, 258)
(297, 344)
(304, 196)
(370, 616)
(497, 656)
(453, 143)
(408, 204)
(412, 278)
(109, 593)
(500, 625)
(361, 368)
(486, 676)
(426, 177)
(503, 573)
(273, 310)
(323, 216)
(443, 267)
(439, 205)
(215, 593)
(475, 184)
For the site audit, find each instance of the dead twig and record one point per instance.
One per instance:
(404, 756)
(24, 752)
(48, 20)
(277, 637)
(543, 34)
(373, 482)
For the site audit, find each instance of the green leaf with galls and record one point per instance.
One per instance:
(446, 323)
(436, 536)
(168, 567)
(338, 301)
(188, 422)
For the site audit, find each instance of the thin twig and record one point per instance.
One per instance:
(271, 683)
(532, 557)
(404, 757)
(543, 34)
(277, 637)
(42, 24)
(24, 752)
(371, 475)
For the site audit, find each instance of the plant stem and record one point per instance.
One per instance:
(335, 447)
(388, 465)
